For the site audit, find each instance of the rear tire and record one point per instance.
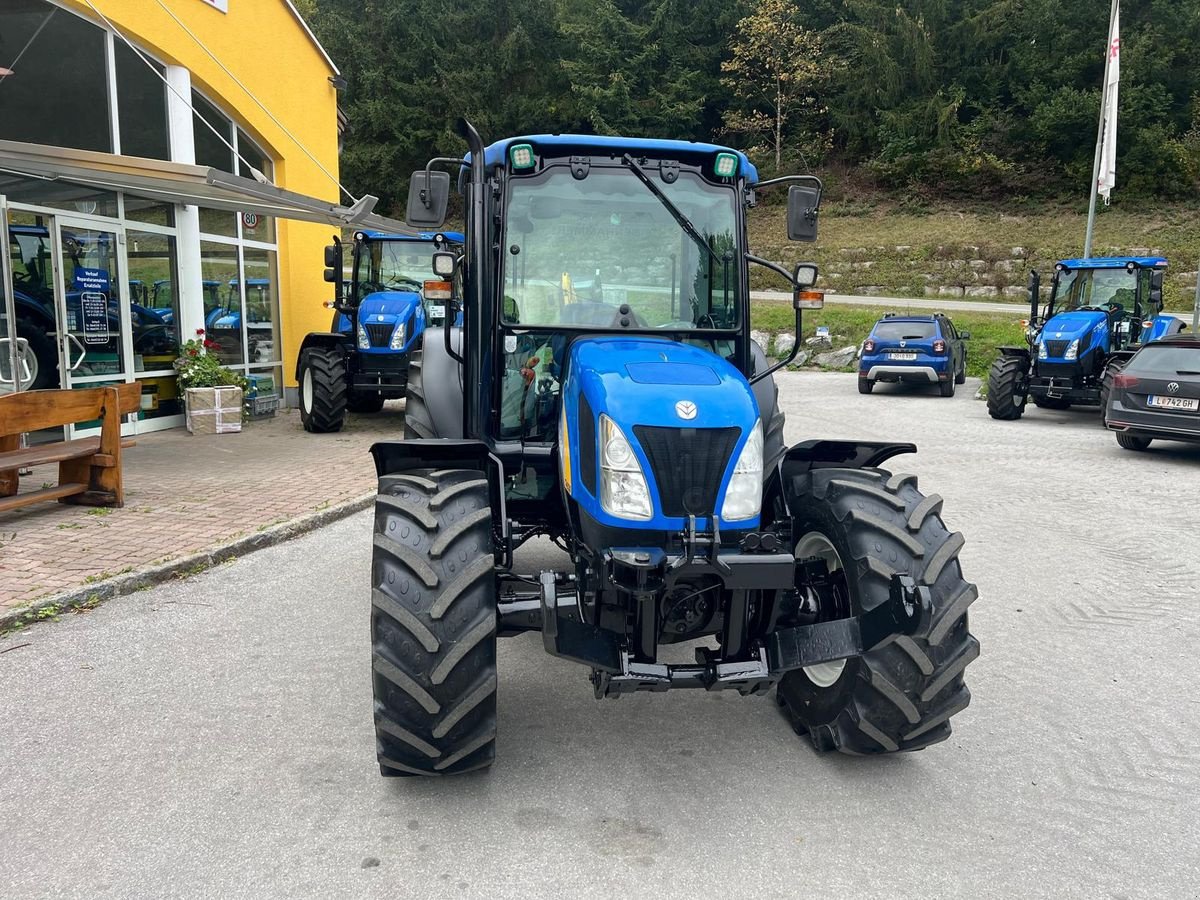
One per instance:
(1106, 381)
(899, 696)
(865, 385)
(947, 387)
(322, 390)
(1132, 441)
(418, 421)
(45, 354)
(1006, 395)
(433, 623)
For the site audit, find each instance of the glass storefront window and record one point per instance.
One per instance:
(256, 227)
(62, 195)
(222, 300)
(262, 306)
(141, 105)
(218, 221)
(154, 300)
(58, 91)
(210, 149)
(151, 212)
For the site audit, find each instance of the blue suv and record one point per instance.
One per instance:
(919, 349)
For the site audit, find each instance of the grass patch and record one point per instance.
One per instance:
(851, 324)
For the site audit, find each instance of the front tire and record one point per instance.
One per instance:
(322, 390)
(961, 377)
(1057, 403)
(433, 623)
(899, 696)
(1006, 393)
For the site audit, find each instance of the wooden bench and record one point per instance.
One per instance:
(89, 469)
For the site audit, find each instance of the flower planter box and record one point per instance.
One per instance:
(214, 410)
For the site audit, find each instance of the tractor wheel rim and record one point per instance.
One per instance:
(306, 391)
(823, 675)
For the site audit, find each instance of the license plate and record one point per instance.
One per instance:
(1186, 403)
(909, 357)
(437, 312)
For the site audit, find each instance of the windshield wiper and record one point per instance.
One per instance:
(1186, 372)
(684, 222)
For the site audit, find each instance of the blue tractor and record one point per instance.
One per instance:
(380, 313)
(603, 392)
(1100, 311)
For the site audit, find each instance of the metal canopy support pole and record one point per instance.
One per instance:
(10, 300)
(1196, 306)
(1091, 222)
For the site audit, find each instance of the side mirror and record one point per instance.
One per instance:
(428, 196)
(444, 263)
(333, 268)
(1156, 281)
(965, 335)
(805, 275)
(803, 203)
(333, 255)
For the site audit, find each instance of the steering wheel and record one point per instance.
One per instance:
(706, 321)
(404, 279)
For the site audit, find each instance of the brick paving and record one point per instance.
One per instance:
(186, 494)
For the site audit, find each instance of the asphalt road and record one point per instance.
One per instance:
(212, 738)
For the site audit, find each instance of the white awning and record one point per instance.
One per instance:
(171, 182)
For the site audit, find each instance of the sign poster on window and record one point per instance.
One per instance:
(93, 287)
(222, 5)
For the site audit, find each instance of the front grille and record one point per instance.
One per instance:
(1057, 349)
(380, 335)
(688, 465)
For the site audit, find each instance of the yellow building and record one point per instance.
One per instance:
(178, 158)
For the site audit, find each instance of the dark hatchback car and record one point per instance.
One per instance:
(1156, 396)
(916, 349)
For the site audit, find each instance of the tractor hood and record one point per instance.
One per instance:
(387, 306)
(1067, 326)
(685, 412)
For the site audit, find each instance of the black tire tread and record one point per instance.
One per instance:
(1132, 441)
(1106, 381)
(433, 624)
(902, 694)
(418, 422)
(1003, 378)
(328, 411)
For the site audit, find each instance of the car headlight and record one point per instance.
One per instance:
(1042, 350)
(623, 490)
(743, 497)
(1072, 350)
(364, 342)
(398, 337)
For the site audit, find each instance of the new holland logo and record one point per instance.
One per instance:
(1173, 387)
(685, 409)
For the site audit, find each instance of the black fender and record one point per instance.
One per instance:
(323, 340)
(441, 381)
(1014, 351)
(396, 457)
(819, 454)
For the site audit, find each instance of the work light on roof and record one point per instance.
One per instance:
(521, 156)
(726, 165)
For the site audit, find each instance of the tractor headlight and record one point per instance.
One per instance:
(1072, 350)
(364, 342)
(1042, 350)
(398, 337)
(743, 497)
(623, 490)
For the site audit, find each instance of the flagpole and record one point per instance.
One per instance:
(1091, 222)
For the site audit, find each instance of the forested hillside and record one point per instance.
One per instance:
(947, 98)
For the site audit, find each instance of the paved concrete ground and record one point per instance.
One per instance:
(184, 494)
(213, 737)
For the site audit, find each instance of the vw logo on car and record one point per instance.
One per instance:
(1173, 387)
(685, 409)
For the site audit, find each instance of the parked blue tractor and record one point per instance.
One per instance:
(1100, 311)
(380, 314)
(603, 391)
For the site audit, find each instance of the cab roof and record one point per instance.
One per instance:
(1115, 262)
(494, 154)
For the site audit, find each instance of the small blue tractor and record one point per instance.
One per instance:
(1100, 311)
(379, 316)
(602, 392)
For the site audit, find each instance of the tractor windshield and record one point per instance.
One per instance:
(394, 266)
(1100, 288)
(578, 250)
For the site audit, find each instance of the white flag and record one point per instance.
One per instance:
(1108, 151)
